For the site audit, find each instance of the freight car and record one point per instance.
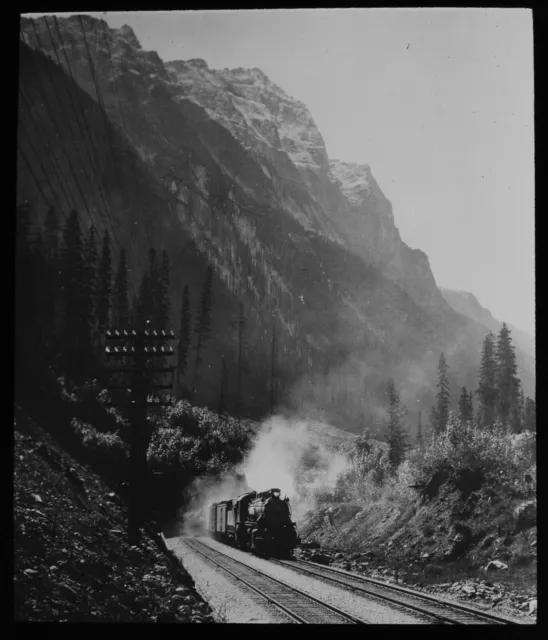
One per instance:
(258, 522)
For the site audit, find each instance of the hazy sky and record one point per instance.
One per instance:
(438, 101)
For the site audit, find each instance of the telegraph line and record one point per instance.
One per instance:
(31, 171)
(56, 171)
(107, 39)
(86, 128)
(69, 92)
(105, 117)
(100, 100)
(44, 97)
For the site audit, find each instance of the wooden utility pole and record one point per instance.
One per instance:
(135, 344)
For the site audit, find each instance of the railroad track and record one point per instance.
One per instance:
(441, 611)
(294, 603)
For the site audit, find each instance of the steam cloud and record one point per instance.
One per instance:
(296, 456)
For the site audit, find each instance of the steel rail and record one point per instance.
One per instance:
(321, 571)
(195, 545)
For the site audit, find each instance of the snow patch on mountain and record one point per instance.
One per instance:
(353, 179)
(253, 109)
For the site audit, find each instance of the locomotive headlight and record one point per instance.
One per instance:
(276, 494)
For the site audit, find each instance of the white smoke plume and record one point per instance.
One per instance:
(296, 455)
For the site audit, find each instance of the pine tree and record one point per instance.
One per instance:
(51, 235)
(465, 406)
(443, 395)
(92, 284)
(202, 328)
(164, 302)
(434, 420)
(77, 344)
(143, 304)
(120, 299)
(420, 441)
(52, 281)
(397, 436)
(223, 396)
(105, 285)
(487, 390)
(507, 382)
(530, 415)
(184, 339)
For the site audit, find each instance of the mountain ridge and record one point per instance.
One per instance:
(353, 309)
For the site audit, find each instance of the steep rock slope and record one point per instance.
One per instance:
(347, 204)
(280, 224)
(73, 562)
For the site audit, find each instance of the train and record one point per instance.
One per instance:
(259, 522)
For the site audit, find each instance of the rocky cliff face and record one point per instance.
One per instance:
(242, 181)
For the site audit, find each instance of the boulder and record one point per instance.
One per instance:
(319, 558)
(525, 515)
(495, 565)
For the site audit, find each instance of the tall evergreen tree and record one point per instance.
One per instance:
(443, 396)
(397, 436)
(202, 327)
(434, 420)
(487, 390)
(184, 339)
(507, 382)
(164, 301)
(530, 415)
(77, 344)
(51, 235)
(120, 301)
(420, 441)
(92, 281)
(465, 406)
(105, 284)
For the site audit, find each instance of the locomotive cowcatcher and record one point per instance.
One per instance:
(258, 522)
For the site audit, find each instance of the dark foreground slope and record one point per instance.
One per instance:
(72, 561)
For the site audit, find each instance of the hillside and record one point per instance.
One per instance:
(230, 170)
(468, 305)
(72, 560)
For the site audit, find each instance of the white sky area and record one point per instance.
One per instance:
(438, 101)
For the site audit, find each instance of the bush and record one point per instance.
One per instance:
(191, 441)
(106, 453)
(497, 452)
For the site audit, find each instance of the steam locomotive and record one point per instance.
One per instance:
(258, 522)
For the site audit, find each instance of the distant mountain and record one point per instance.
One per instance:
(222, 167)
(468, 305)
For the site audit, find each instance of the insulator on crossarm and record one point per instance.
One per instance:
(108, 333)
(116, 332)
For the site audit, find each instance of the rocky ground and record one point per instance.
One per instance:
(485, 593)
(471, 551)
(72, 561)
